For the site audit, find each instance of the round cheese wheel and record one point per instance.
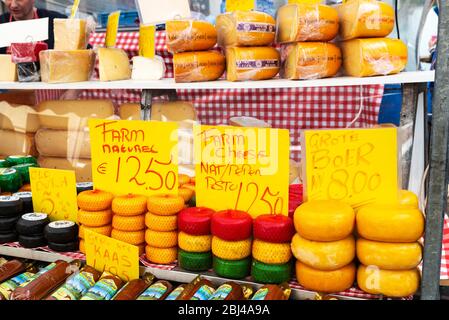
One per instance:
(195, 261)
(271, 253)
(161, 223)
(408, 198)
(324, 220)
(390, 223)
(231, 250)
(273, 228)
(191, 243)
(231, 225)
(183, 179)
(391, 283)
(161, 255)
(326, 256)
(95, 218)
(161, 239)
(131, 237)
(189, 35)
(94, 200)
(104, 230)
(271, 273)
(165, 205)
(232, 269)
(198, 66)
(129, 205)
(134, 223)
(186, 194)
(195, 221)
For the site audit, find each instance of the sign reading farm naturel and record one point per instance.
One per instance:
(357, 166)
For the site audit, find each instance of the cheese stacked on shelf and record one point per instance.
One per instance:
(9, 70)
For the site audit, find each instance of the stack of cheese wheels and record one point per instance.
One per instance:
(271, 248)
(128, 221)
(190, 42)
(364, 24)
(195, 239)
(94, 213)
(305, 30)
(161, 221)
(186, 188)
(324, 246)
(231, 243)
(387, 247)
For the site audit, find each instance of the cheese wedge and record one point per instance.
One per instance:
(19, 118)
(113, 64)
(8, 68)
(63, 144)
(70, 34)
(148, 69)
(82, 167)
(66, 66)
(190, 35)
(198, 66)
(15, 143)
(177, 111)
(130, 111)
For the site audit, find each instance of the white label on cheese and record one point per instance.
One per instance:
(8, 198)
(23, 31)
(23, 194)
(7, 171)
(61, 224)
(34, 216)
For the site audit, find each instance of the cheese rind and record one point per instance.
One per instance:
(19, 118)
(59, 66)
(190, 35)
(82, 167)
(63, 144)
(8, 68)
(198, 66)
(15, 143)
(148, 69)
(70, 34)
(113, 64)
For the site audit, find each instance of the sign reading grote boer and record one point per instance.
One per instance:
(242, 169)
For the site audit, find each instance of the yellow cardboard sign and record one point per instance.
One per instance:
(112, 28)
(146, 41)
(234, 5)
(138, 157)
(54, 193)
(242, 169)
(307, 1)
(111, 255)
(357, 166)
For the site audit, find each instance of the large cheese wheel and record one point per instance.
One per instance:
(324, 220)
(19, 118)
(113, 64)
(231, 225)
(310, 60)
(190, 35)
(390, 223)
(326, 256)
(70, 34)
(245, 28)
(375, 56)
(9, 70)
(58, 66)
(306, 22)
(82, 167)
(391, 283)
(198, 66)
(365, 19)
(16, 143)
(63, 144)
(252, 63)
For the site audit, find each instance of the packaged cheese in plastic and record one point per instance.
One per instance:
(9, 70)
(82, 167)
(19, 118)
(72, 34)
(245, 28)
(190, 35)
(310, 60)
(198, 66)
(374, 56)
(58, 66)
(15, 143)
(252, 63)
(306, 22)
(365, 19)
(63, 144)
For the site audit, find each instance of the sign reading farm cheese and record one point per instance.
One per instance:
(138, 157)
(234, 5)
(107, 254)
(54, 193)
(357, 166)
(242, 169)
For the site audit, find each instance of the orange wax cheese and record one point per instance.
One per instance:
(190, 35)
(198, 66)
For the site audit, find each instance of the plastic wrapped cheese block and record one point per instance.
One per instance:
(113, 64)
(82, 167)
(252, 63)
(130, 111)
(198, 66)
(70, 34)
(19, 118)
(190, 35)
(365, 19)
(374, 56)
(148, 69)
(310, 60)
(9, 70)
(306, 22)
(58, 66)
(15, 143)
(245, 28)
(64, 144)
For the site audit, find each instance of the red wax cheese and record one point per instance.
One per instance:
(232, 225)
(273, 228)
(195, 221)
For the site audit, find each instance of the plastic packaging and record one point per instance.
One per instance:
(7, 287)
(158, 291)
(59, 66)
(105, 288)
(26, 57)
(231, 291)
(134, 288)
(198, 66)
(10, 269)
(273, 292)
(190, 35)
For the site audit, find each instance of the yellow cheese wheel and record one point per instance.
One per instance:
(186, 193)
(391, 283)
(131, 237)
(95, 218)
(310, 60)
(198, 66)
(390, 223)
(58, 66)
(82, 247)
(129, 205)
(104, 230)
(94, 200)
(271, 253)
(192, 243)
(231, 250)
(374, 56)
(113, 64)
(324, 220)
(326, 256)
(245, 28)
(165, 205)
(133, 223)
(365, 19)
(190, 35)
(161, 255)
(408, 198)
(252, 63)
(306, 22)
(161, 223)
(161, 239)
(325, 281)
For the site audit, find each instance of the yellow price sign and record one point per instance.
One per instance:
(357, 166)
(112, 28)
(54, 193)
(242, 169)
(307, 1)
(111, 255)
(146, 41)
(139, 157)
(244, 5)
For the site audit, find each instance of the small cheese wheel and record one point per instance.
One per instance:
(326, 256)
(389, 256)
(198, 66)
(161, 255)
(231, 225)
(183, 179)
(131, 237)
(161, 239)
(82, 247)
(271, 253)
(134, 223)
(161, 223)
(390, 223)
(232, 269)
(194, 261)
(324, 220)
(271, 273)
(408, 198)
(191, 243)
(195, 221)
(94, 200)
(391, 283)
(165, 205)
(325, 281)
(104, 230)
(186, 193)
(190, 35)
(129, 205)
(252, 63)
(231, 250)
(95, 218)
(273, 228)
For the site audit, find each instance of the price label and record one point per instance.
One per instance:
(54, 193)
(139, 157)
(357, 166)
(242, 169)
(234, 5)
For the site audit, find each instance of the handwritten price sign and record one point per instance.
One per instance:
(54, 193)
(234, 5)
(139, 157)
(357, 166)
(242, 169)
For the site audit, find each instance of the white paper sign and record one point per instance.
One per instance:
(23, 31)
(156, 11)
